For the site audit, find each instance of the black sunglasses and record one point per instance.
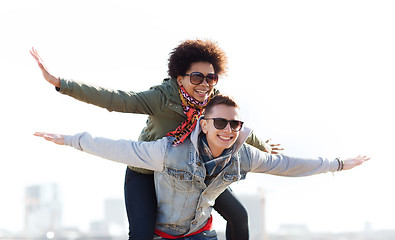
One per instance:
(221, 123)
(197, 78)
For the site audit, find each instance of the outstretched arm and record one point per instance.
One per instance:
(149, 102)
(47, 76)
(148, 155)
(284, 165)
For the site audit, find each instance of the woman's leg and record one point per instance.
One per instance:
(234, 213)
(140, 201)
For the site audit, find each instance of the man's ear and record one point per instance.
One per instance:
(203, 125)
(179, 80)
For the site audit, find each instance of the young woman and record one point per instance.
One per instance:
(173, 109)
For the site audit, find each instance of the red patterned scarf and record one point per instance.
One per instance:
(193, 109)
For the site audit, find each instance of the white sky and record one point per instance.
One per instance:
(312, 75)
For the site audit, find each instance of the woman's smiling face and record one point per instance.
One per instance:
(202, 91)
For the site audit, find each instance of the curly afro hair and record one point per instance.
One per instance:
(191, 51)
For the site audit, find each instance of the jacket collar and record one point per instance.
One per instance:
(243, 135)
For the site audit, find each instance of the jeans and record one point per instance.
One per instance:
(141, 205)
(206, 235)
(235, 215)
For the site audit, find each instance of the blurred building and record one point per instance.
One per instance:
(42, 210)
(114, 222)
(255, 204)
(115, 216)
(98, 229)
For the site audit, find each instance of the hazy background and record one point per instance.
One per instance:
(313, 75)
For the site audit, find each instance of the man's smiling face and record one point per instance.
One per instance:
(220, 139)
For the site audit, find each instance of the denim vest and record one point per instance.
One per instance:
(184, 200)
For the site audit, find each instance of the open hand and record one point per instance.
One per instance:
(353, 162)
(55, 138)
(49, 77)
(272, 148)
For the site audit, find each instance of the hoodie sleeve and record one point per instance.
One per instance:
(148, 155)
(283, 165)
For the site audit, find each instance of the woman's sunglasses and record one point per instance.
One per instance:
(197, 78)
(221, 123)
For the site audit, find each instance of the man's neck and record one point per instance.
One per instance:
(215, 151)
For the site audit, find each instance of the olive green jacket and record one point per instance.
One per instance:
(161, 103)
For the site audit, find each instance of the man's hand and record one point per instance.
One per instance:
(353, 162)
(55, 138)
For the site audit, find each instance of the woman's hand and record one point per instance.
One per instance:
(55, 138)
(353, 162)
(272, 148)
(49, 77)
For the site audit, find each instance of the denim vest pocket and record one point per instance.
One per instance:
(182, 180)
(233, 177)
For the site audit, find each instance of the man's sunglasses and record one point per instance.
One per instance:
(197, 78)
(221, 123)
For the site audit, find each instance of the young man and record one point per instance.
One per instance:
(189, 176)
